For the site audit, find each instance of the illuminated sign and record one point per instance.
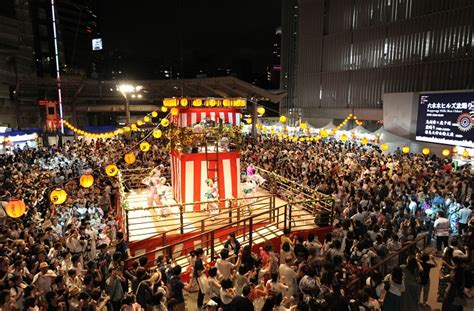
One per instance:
(206, 102)
(446, 118)
(44, 102)
(97, 44)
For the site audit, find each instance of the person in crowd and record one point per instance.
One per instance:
(232, 244)
(242, 302)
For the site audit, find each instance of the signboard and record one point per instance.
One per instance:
(97, 44)
(446, 118)
(44, 102)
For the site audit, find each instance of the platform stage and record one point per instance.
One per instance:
(145, 222)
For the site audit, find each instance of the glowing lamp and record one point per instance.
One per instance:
(425, 151)
(111, 170)
(282, 119)
(58, 196)
(157, 133)
(15, 208)
(384, 147)
(165, 122)
(164, 109)
(146, 118)
(144, 146)
(86, 180)
(261, 111)
(130, 158)
(183, 102)
(154, 114)
(174, 111)
(406, 149)
(343, 137)
(446, 152)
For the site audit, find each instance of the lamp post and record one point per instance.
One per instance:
(129, 89)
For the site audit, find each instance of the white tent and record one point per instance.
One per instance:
(329, 126)
(359, 130)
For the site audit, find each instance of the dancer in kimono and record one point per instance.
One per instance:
(161, 191)
(249, 188)
(254, 176)
(152, 181)
(212, 194)
(453, 216)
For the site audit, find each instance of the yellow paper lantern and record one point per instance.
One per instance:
(364, 141)
(58, 196)
(183, 102)
(264, 128)
(130, 158)
(261, 111)
(174, 111)
(157, 133)
(226, 102)
(406, 149)
(279, 134)
(318, 137)
(465, 153)
(384, 147)
(272, 131)
(446, 152)
(86, 180)
(164, 109)
(323, 133)
(133, 126)
(295, 139)
(127, 129)
(154, 114)
(197, 102)
(139, 123)
(111, 170)
(144, 146)
(343, 137)
(303, 125)
(285, 136)
(15, 208)
(120, 131)
(146, 118)
(425, 151)
(282, 119)
(248, 121)
(165, 122)
(455, 149)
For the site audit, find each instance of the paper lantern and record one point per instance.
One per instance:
(248, 121)
(425, 151)
(261, 110)
(133, 126)
(455, 149)
(285, 136)
(15, 208)
(157, 133)
(197, 102)
(146, 118)
(86, 180)
(343, 137)
(120, 131)
(164, 109)
(127, 129)
(144, 146)
(58, 196)
(282, 119)
(154, 114)
(226, 102)
(174, 111)
(323, 133)
(183, 102)
(111, 170)
(165, 122)
(364, 141)
(139, 123)
(303, 125)
(465, 153)
(406, 149)
(129, 158)
(446, 152)
(264, 128)
(384, 147)
(272, 131)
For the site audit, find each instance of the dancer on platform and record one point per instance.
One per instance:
(152, 181)
(254, 176)
(162, 191)
(249, 188)
(212, 195)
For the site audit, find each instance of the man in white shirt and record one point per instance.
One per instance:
(441, 230)
(412, 206)
(464, 216)
(224, 266)
(289, 275)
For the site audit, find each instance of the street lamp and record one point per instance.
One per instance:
(129, 89)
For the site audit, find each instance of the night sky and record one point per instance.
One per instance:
(214, 34)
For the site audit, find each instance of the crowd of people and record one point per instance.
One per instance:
(74, 256)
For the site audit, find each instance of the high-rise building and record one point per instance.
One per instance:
(289, 40)
(77, 25)
(273, 71)
(349, 53)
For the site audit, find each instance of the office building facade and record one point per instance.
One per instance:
(349, 53)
